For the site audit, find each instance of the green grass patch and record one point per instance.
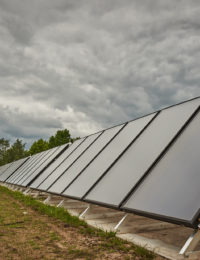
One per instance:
(108, 240)
(79, 253)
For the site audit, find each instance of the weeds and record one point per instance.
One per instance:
(79, 253)
(107, 240)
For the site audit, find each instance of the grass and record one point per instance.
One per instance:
(108, 240)
(80, 253)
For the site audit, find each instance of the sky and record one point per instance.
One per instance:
(87, 65)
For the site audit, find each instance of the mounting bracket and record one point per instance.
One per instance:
(192, 242)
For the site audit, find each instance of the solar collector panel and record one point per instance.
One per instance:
(36, 159)
(107, 157)
(13, 168)
(4, 168)
(24, 167)
(84, 159)
(70, 160)
(18, 171)
(45, 164)
(132, 166)
(36, 166)
(56, 164)
(171, 190)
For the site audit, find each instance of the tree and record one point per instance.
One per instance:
(4, 145)
(38, 146)
(61, 137)
(15, 152)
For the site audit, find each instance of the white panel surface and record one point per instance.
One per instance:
(44, 164)
(67, 163)
(130, 168)
(56, 163)
(84, 160)
(91, 174)
(36, 166)
(172, 190)
(15, 165)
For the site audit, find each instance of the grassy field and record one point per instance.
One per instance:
(32, 230)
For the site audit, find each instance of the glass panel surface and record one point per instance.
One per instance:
(86, 158)
(130, 168)
(17, 172)
(172, 187)
(37, 165)
(67, 163)
(34, 159)
(48, 160)
(12, 169)
(56, 163)
(102, 162)
(4, 168)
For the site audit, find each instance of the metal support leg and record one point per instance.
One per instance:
(35, 195)
(47, 199)
(26, 191)
(192, 242)
(84, 212)
(120, 222)
(60, 203)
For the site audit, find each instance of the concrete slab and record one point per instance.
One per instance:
(157, 246)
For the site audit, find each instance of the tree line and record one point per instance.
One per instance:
(16, 151)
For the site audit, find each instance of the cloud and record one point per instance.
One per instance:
(89, 65)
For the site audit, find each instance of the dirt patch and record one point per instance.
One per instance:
(27, 234)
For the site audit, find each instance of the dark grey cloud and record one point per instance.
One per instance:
(87, 65)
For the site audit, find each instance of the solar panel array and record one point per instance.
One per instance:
(12, 167)
(149, 166)
(34, 166)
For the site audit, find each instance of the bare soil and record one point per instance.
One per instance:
(26, 234)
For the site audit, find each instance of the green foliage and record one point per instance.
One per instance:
(17, 150)
(4, 145)
(12, 153)
(77, 253)
(107, 240)
(38, 146)
(61, 137)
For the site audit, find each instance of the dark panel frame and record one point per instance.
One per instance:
(17, 168)
(36, 161)
(121, 154)
(45, 159)
(192, 224)
(22, 168)
(96, 155)
(5, 168)
(25, 166)
(62, 151)
(101, 132)
(61, 162)
(28, 166)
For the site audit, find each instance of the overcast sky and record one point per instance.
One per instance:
(88, 65)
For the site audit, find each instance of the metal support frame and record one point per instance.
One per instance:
(60, 203)
(120, 222)
(192, 242)
(36, 194)
(84, 212)
(26, 191)
(47, 199)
